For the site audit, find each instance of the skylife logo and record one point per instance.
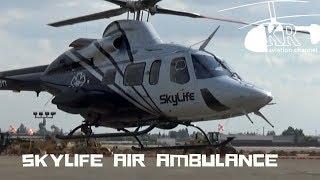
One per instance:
(274, 36)
(78, 160)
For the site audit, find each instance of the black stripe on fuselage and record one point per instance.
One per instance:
(117, 86)
(129, 96)
(126, 41)
(87, 61)
(105, 53)
(129, 52)
(114, 63)
(71, 61)
(99, 88)
(212, 102)
(144, 89)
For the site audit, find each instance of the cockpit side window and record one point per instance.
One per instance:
(179, 71)
(154, 72)
(133, 75)
(206, 67)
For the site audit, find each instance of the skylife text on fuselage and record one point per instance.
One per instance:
(175, 99)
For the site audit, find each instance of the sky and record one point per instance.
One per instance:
(293, 78)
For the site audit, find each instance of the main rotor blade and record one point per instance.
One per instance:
(118, 2)
(160, 10)
(91, 17)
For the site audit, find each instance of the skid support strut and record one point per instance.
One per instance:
(186, 147)
(137, 132)
(105, 135)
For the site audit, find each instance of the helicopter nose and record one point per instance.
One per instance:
(262, 97)
(255, 98)
(240, 95)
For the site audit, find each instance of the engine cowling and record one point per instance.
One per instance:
(112, 43)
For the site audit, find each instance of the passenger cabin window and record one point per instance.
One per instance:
(179, 71)
(207, 66)
(109, 77)
(133, 75)
(154, 72)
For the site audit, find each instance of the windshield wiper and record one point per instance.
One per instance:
(222, 63)
(232, 73)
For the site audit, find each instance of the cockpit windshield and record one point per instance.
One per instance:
(207, 66)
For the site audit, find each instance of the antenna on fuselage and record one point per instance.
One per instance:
(206, 42)
(258, 113)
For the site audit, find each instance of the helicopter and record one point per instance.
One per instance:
(130, 78)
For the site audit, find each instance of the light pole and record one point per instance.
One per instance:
(44, 116)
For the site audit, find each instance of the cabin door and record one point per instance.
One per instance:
(171, 82)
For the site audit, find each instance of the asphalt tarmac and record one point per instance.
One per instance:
(11, 168)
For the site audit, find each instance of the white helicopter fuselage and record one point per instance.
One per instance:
(166, 81)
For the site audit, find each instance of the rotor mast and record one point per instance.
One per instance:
(138, 15)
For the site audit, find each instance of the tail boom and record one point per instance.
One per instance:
(27, 79)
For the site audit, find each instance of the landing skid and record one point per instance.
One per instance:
(185, 147)
(86, 128)
(209, 144)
